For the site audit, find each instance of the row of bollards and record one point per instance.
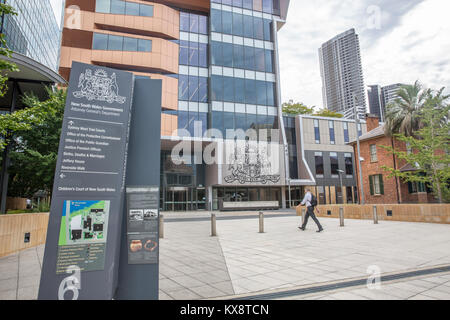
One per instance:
(261, 221)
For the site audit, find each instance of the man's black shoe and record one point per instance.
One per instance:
(320, 230)
(301, 228)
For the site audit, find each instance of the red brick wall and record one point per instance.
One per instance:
(374, 168)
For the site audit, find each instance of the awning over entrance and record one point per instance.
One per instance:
(32, 77)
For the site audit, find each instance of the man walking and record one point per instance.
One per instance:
(310, 201)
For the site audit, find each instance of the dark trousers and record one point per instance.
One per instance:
(310, 212)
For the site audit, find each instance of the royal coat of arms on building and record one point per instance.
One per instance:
(251, 165)
(99, 86)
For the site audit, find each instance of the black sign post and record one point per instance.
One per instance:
(139, 254)
(83, 238)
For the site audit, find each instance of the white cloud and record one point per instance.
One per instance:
(411, 44)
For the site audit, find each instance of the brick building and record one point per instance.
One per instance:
(379, 188)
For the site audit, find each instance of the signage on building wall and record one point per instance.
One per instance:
(88, 194)
(253, 163)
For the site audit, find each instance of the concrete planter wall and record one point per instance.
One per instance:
(13, 230)
(430, 213)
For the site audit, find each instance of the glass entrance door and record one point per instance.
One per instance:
(185, 199)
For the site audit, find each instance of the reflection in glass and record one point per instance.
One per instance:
(193, 54)
(183, 86)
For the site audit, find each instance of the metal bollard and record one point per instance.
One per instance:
(341, 216)
(213, 225)
(303, 215)
(375, 215)
(161, 226)
(261, 222)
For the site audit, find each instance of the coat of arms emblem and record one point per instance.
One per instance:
(99, 86)
(251, 166)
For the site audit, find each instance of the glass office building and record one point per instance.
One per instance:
(34, 32)
(218, 64)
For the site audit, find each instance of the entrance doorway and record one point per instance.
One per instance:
(184, 199)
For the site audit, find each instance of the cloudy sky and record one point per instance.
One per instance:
(401, 41)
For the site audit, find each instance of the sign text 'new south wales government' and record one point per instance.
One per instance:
(88, 193)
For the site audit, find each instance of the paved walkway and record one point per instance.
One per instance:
(241, 262)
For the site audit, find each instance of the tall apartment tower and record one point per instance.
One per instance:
(376, 102)
(389, 93)
(218, 62)
(342, 76)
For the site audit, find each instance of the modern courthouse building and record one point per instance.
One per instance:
(33, 36)
(342, 75)
(218, 62)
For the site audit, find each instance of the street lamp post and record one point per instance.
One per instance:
(341, 172)
(358, 148)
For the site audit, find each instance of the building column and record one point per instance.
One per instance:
(283, 197)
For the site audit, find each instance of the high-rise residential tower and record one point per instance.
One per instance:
(342, 75)
(376, 102)
(389, 93)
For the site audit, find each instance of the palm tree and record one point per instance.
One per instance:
(403, 115)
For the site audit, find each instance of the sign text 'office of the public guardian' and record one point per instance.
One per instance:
(88, 193)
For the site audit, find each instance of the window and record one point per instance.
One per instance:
(184, 21)
(183, 86)
(130, 44)
(250, 91)
(376, 185)
(346, 135)
(239, 90)
(269, 61)
(203, 89)
(248, 26)
(227, 22)
(270, 94)
(259, 60)
(228, 89)
(249, 54)
(202, 25)
(267, 30)
(319, 164)
(132, 9)
(227, 49)
(118, 43)
(248, 4)
(238, 57)
(123, 7)
(258, 28)
(238, 24)
(348, 164)
(359, 129)
(115, 43)
(216, 53)
(334, 163)
(202, 55)
(217, 88)
(332, 136)
(373, 153)
(317, 131)
(100, 41)
(257, 5)
(193, 88)
(267, 6)
(216, 20)
(193, 23)
(261, 93)
(193, 54)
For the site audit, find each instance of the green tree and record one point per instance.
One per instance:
(403, 114)
(296, 108)
(5, 66)
(429, 147)
(35, 150)
(328, 113)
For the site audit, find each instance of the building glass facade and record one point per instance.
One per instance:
(34, 32)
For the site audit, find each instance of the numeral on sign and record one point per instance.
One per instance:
(71, 283)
